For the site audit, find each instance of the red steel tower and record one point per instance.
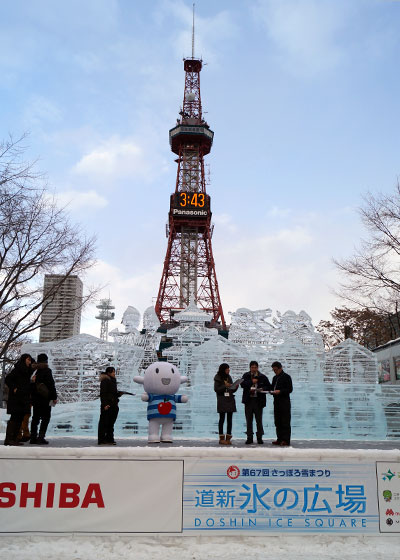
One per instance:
(189, 269)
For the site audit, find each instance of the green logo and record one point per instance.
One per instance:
(387, 495)
(388, 475)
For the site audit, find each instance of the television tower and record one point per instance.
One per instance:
(189, 268)
(105, 315)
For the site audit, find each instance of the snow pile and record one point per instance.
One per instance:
(154, 547)
(200, 548)
(67, 449)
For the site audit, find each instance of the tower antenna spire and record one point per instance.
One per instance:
(193, 33)
(189, 268)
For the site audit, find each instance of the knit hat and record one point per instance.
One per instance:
(42, 359)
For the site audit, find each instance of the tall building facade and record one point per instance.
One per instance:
(61, 315)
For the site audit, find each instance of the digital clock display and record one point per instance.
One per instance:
(190, 204)
(191, 199)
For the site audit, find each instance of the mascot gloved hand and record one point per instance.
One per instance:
(161, 381)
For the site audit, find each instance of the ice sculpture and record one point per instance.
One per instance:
(150, 319)
(76, 363)
(252, 327)
(264, 329)
(148, 339)
(348, 362)
(131, 319)
(336, 394)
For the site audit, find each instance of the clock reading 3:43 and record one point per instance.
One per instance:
(191, 199)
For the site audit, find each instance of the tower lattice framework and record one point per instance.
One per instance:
(189, 268)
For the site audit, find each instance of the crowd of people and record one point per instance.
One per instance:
(31, 389)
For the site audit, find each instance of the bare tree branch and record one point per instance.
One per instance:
(36, 238)
(372, 275)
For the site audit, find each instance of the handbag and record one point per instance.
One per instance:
(42, 390)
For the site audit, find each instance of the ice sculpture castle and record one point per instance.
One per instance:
(336, 393)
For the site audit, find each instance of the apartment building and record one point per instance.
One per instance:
(61, 318)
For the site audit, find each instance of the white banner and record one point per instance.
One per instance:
(90, 496)
(260, 497)
(193, 496)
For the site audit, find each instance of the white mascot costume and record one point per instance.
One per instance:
(161, 381)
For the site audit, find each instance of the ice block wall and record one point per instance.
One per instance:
(336, 394)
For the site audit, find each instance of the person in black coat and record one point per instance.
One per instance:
(43, 391)
(281, 388)
(254, 400)
(109, 398)
(18, 382)
(225, 402)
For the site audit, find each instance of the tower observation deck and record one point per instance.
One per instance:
(189, 268)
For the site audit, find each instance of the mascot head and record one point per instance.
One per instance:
(161, 378)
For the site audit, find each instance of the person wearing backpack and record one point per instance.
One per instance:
(43, 391)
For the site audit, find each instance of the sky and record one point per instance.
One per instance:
(302, 95)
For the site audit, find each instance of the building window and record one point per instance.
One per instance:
(397, 367)
(384, 371)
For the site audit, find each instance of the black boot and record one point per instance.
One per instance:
(12, 433)
(41, 440)
(9, 433)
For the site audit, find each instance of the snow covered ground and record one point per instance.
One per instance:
(69, 446)
(200, 548)
(237, 442)
(293, 547)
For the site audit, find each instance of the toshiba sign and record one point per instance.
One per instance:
(51, 495)
(90, 496)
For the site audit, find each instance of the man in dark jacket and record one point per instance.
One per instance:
(281, 389)
(18, 382)
(43, 392)
(109, 397)
(254, 400)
